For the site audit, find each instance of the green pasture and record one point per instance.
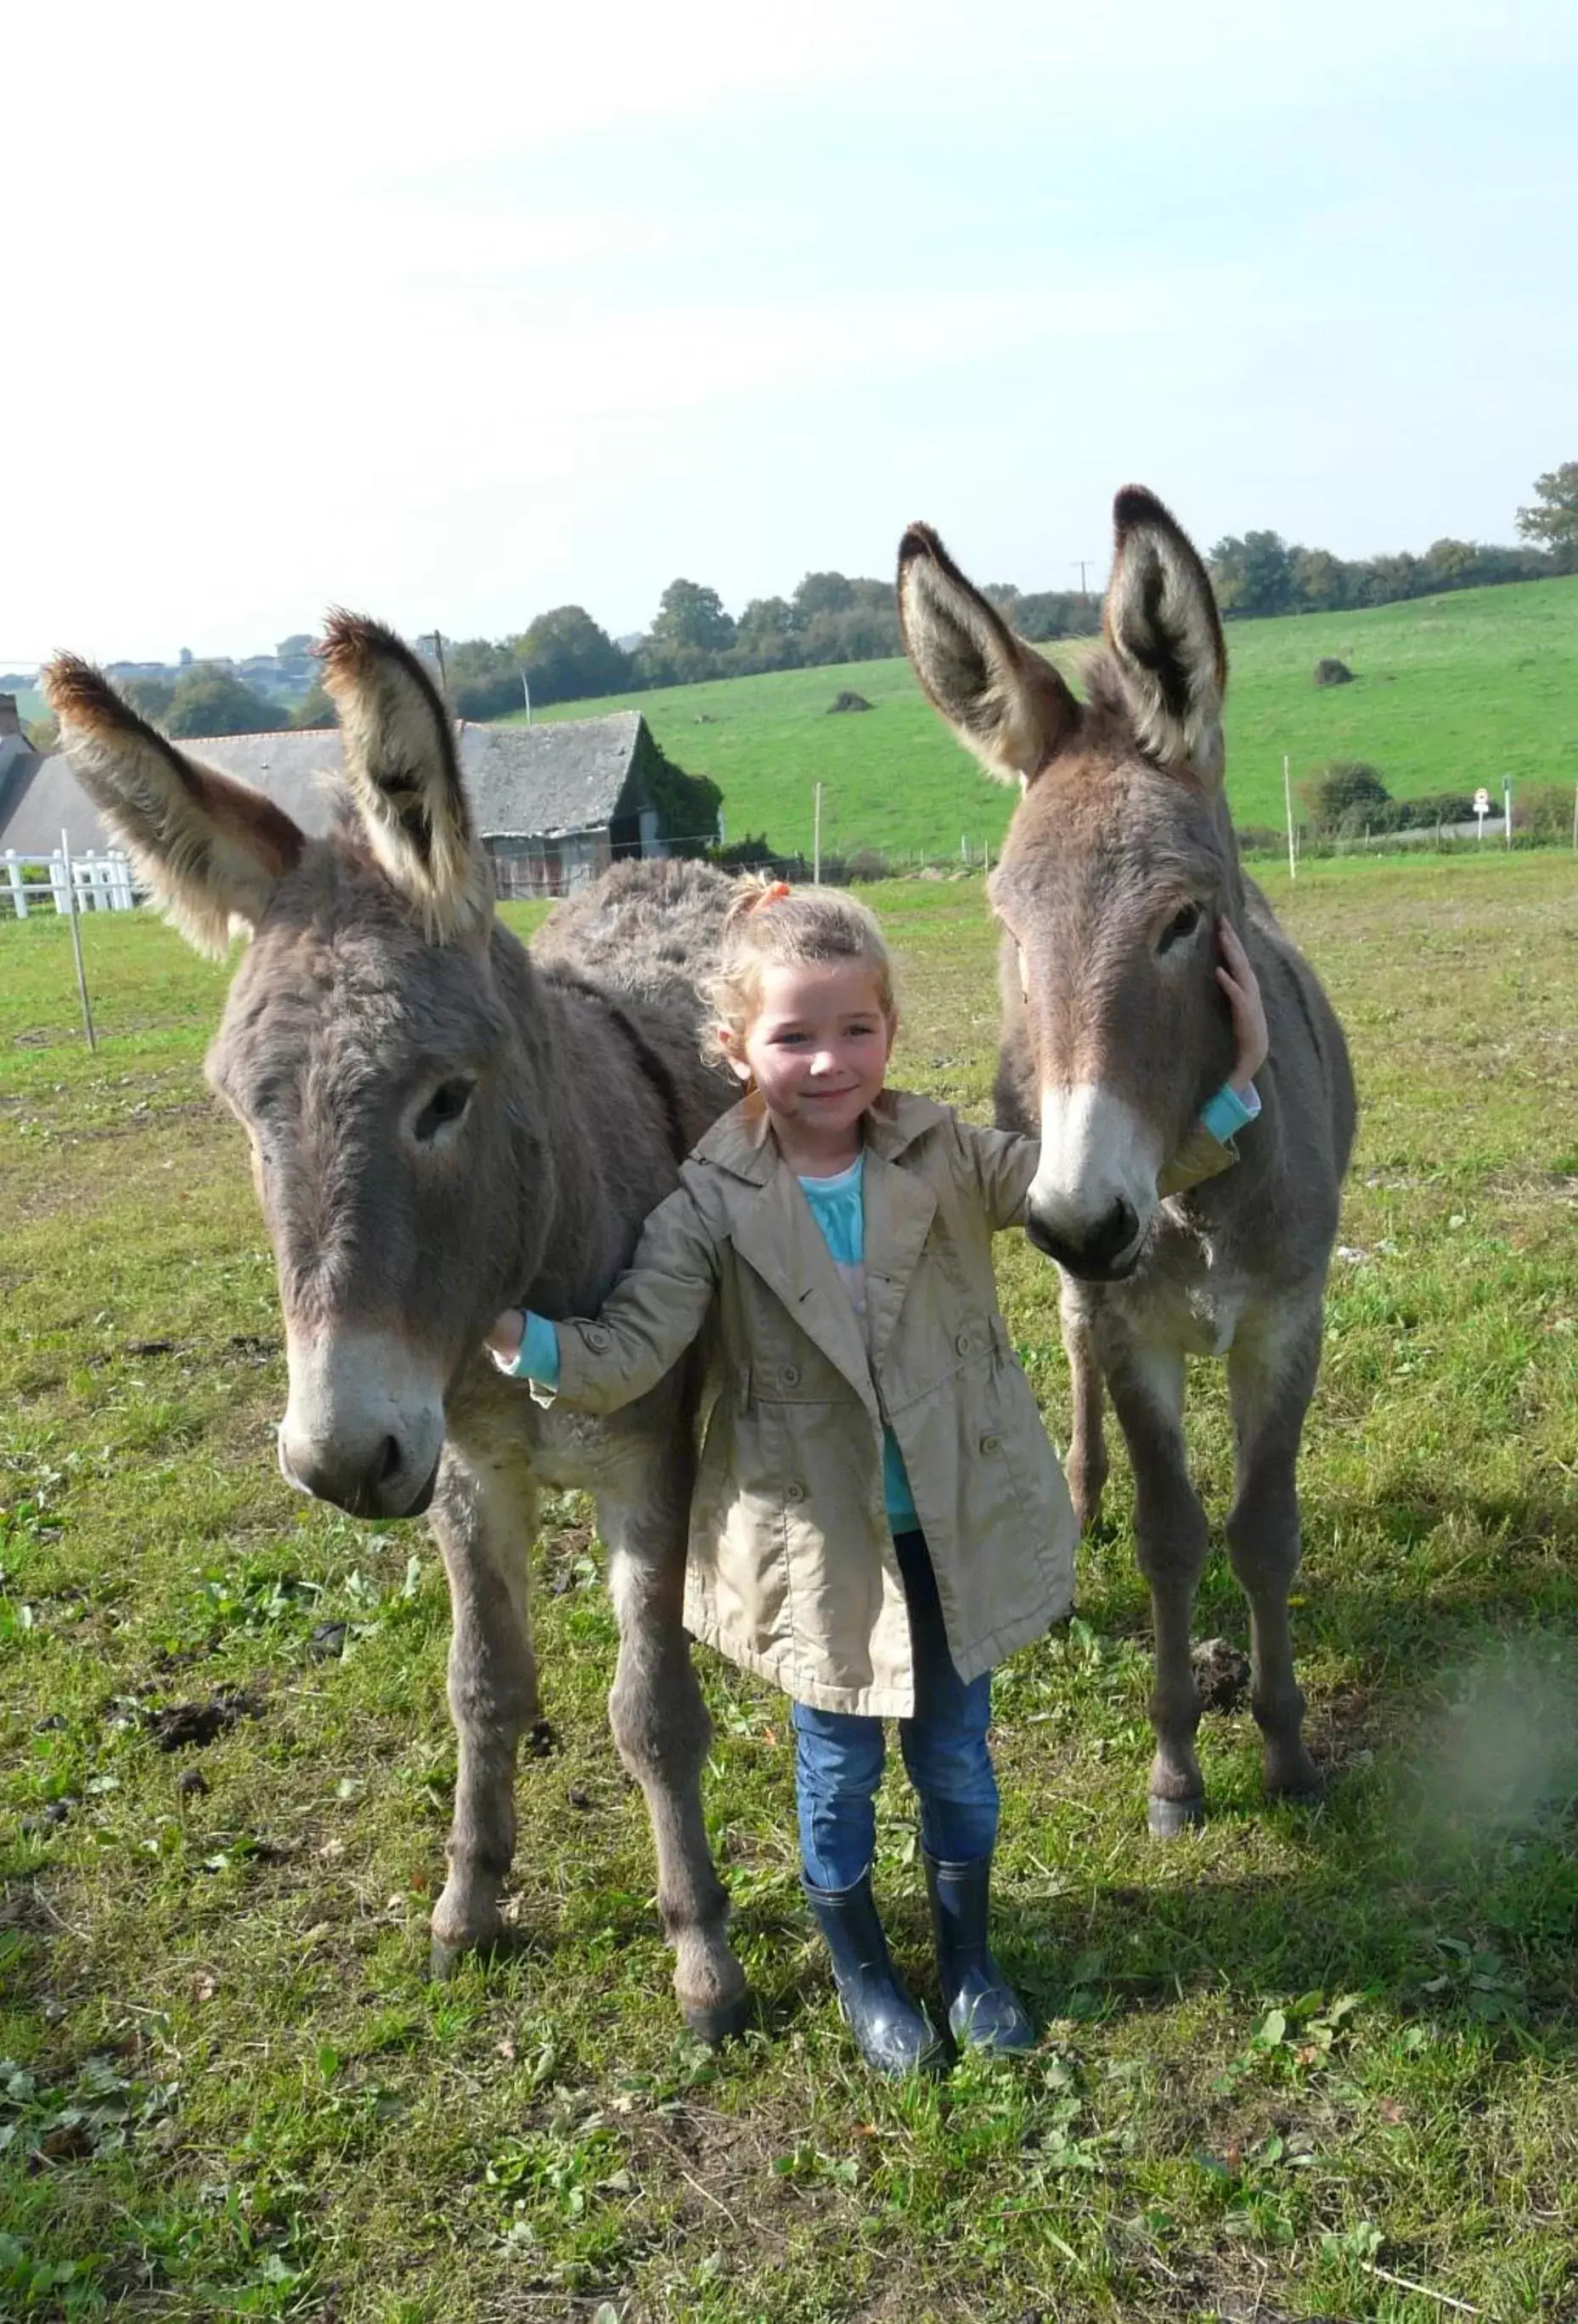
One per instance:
(1449, 693)
(1304, 2065)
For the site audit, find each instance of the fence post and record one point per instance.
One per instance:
(816, 839)
(1287, 804)
(123, 895)
(77, 939)
(19, 885)
(57, 884)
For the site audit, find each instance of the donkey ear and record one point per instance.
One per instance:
(212, 850)
(1001, 696)
(403, 776)
(1164, 633)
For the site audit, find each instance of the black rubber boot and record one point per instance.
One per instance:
(984, 2012)
(892, 2033)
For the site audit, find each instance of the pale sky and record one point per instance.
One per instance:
(452, 314)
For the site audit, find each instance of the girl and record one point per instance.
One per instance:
(879, 1517)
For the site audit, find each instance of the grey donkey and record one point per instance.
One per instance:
(442, 1124)
(1120, 858)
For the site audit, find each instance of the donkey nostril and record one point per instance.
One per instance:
(1116, 1232)
(392, 1461)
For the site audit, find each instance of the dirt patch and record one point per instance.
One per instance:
(182, 1726)
(1340, 1729)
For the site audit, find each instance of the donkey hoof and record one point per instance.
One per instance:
(447, 1957)
(715, 2023)
(444, 1961)
(1168, 1819)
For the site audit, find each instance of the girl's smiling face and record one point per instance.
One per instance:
(817, 1049)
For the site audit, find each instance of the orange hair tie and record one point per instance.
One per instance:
(771, 895)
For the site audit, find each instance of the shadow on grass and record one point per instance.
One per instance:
(1516, 1558)
(1494, 1961)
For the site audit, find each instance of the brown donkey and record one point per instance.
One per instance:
(441, 1125)
(1117, 862)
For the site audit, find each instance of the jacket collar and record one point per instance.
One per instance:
(778, 1236)
(742, 1140)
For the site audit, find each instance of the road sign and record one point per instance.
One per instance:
(1481, 801)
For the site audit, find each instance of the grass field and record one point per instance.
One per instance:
(1450, 692)
(1299, 2065)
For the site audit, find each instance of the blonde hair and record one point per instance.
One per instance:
(771, 925)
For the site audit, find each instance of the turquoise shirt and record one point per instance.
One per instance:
(838, 1206)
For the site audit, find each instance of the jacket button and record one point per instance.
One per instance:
(597, 1337)
(965, 1343)
(992, 1444)
(794, 1492)
(790, 1375)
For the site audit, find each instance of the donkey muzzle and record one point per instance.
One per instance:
(364, 1424)
(1103, 1251)
(1092, 1197)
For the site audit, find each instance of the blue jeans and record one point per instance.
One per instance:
(839, 1756)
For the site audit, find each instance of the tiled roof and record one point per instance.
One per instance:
(527, 781)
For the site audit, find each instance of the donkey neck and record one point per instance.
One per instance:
(596, 1166)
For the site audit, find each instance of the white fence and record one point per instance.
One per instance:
(103, 883)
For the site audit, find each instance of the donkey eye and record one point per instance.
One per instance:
(446, 1104)
(1184, 923)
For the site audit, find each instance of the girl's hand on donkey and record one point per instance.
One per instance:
(1238, 980)
(504, 1338)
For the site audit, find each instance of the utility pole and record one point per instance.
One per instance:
(526, 690)
(438, 650)
(1082, 562)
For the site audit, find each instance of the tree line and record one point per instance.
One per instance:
(830, 618)
(564, 656)
(1259, 572)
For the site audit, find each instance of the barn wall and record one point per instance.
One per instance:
(534, 868)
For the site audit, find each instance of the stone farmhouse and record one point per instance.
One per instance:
(554, 804)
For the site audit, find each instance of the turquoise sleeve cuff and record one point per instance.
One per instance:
(538, 1356)
(1227, 1112)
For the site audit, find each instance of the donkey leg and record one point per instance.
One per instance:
(1271, 1373)
(663, 1731)
(1087, 1446)
(1169, 1530)
(486, 1523)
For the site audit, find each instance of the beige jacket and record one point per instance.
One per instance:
(792, 1571)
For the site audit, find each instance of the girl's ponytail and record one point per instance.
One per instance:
(755, 890)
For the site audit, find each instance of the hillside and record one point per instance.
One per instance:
(1449, 692)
